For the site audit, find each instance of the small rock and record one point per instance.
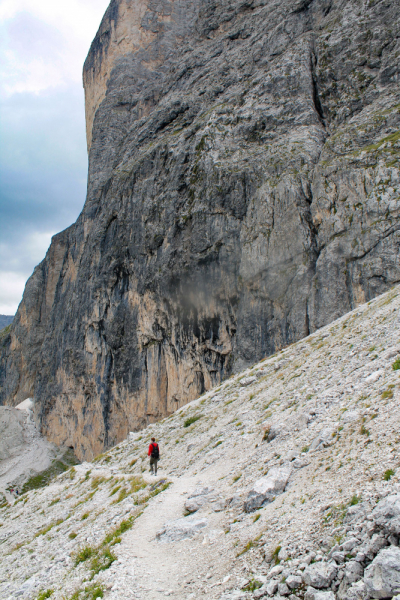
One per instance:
(283, 589)
(294, 581)
(272, 587)
(247, 381)
(319, 575)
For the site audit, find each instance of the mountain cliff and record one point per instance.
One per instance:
(243, 191)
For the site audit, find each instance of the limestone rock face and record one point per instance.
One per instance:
(243, 191)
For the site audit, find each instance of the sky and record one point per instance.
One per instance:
(43, 158)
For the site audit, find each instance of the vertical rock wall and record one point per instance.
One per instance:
(243, 191)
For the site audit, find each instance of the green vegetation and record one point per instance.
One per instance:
(237, 477)
(275, 553)
(388, 474)
(46, 529)
(247, 547)
(44, 595)
(354, 500)
(91, 592)
(190, 420)
(396, 364)
(252, 586)
(256, 517)
(45, 477)
(305, 449)
(101, 558)
(72, 535)
(387, 394)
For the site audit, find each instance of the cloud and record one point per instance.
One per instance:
(43, 161)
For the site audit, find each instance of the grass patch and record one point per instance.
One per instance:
(45, 477)
(256, 517)
(72, 535)
(84, 516)
(275, 554)
(396, 364)
(354, 500)
(190, 420)
(44, 594)
(387, 394)
(90, 592)
(388, 474)
(49, 527)
(101, 557)
(237, 477)
(247, 547)
(252, 586)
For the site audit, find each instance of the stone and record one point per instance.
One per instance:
(387, 514)
(338, 557)
(283, 589)
(350, 543)
(272, 587)
(294, 581)
(194, 504)
(267, 488)
(323, 439)
(247, 381)
(180, 529)
(320, 575)
(382, 577)
(312, 594)
(356, 591)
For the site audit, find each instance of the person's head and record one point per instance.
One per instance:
(153, 439)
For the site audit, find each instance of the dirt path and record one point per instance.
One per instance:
(182, 569)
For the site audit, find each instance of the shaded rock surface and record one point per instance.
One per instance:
(243, 191)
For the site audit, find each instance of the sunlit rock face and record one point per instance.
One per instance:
(243, 191)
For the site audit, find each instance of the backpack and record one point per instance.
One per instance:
(155, 452)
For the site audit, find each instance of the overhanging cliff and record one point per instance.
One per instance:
(243, 191)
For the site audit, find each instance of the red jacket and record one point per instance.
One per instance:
(151, 449)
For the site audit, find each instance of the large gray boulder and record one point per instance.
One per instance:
(382, 577)
(266, 488)
(387, 514)
(320, 574)
(181, 529)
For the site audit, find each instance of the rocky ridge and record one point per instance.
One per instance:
(282, 483)
(243, 191)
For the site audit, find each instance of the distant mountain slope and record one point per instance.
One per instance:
(5, 320)
(279, 467)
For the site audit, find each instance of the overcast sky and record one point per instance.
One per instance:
(43, 160)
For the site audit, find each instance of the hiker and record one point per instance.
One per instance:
(154, 453)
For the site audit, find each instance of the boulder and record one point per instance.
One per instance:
(180, 529)
(313, 594)
(266, 488)
(323, 439)
(272, 587)
(352, 573)
(283, 589)
(357, 591)
(194, 504)
(247, 381)
(382, 577)
(320, 575)
(294, 581)
(387, 514)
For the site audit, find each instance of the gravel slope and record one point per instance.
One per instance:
(325, 409)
